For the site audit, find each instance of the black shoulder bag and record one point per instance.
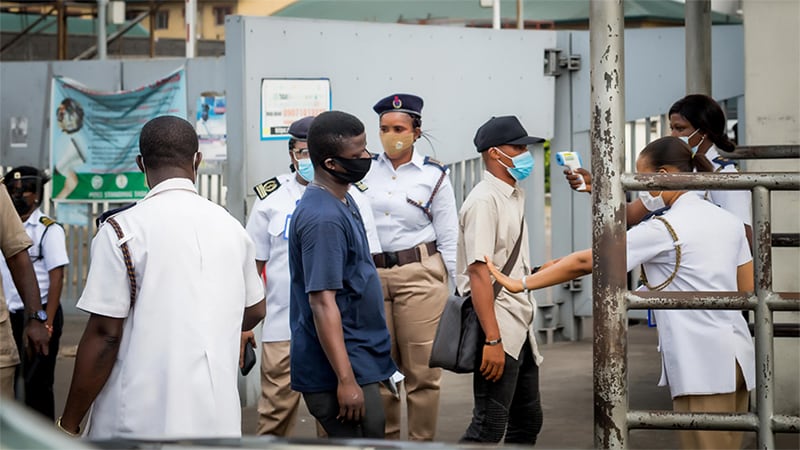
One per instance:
(459, 334)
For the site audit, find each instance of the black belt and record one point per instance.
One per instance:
(386, 260)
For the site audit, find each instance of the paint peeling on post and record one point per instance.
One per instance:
(606, 37)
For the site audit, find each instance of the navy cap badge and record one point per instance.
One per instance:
(397, 103)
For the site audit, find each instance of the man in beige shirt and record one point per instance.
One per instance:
(13, 243)
(506, 385)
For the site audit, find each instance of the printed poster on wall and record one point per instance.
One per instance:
(94, 136)
(284, 101)
(210, 127)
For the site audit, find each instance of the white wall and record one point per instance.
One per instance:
(772, 116)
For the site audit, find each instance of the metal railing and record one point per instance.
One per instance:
(613, 380)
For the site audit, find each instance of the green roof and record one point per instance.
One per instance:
(557, 11)
(14, 23)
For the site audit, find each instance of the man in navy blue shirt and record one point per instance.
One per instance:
(341, 349)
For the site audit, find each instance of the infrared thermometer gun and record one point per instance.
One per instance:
(571, 160)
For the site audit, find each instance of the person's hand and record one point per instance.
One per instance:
(247, 337)
(510, 284)
(351, 402)
(574, 179)
(493, 362)
(38, 339)
(49, 326)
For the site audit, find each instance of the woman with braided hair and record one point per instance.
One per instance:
(707, 355)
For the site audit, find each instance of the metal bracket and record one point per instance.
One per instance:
(574, 285)
(555, 64)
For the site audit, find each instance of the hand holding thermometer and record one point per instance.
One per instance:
(572, 161)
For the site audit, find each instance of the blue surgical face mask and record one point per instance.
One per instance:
(305, 169)
(686, 140)
(523, 165)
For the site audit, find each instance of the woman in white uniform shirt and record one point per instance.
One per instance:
(699, 121)
(417, 222)
(707, 355)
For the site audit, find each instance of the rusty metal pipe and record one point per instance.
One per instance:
(785, 301)
(763, 152)
(776, 181)
(765, 350)
(607, 136)
(692, 421)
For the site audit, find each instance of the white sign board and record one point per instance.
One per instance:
(284, 101)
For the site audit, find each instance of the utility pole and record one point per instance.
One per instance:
(102, 39)
(698, 47)
(191, 27)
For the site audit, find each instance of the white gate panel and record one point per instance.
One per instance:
(464, 75)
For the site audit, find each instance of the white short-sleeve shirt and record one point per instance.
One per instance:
(176, 371)
(402, 225)
(699, 348)
(489, 224)
(738, 203)
(49, 251)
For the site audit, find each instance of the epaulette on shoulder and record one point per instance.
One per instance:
(101, 219)
(724, 162)
(46, 221)
(442, 166)
(375, 156)
(360, 185)
(265, 188)
(656, 213)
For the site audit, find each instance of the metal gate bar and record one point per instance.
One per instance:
(763, 302)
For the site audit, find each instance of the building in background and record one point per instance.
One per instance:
(158, 28)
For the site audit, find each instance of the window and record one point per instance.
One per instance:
(162, 20)
(220, 12)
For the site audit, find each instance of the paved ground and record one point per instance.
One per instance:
(566, 389)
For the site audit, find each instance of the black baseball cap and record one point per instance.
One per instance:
(502, 130)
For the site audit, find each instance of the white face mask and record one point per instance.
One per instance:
(652, 203)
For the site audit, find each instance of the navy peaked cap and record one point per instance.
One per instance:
(299, 128)
(25, 172)
(500, 131)
(407, 103)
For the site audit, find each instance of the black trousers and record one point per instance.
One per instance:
(510, 406)
(324, 406)
(38, 372)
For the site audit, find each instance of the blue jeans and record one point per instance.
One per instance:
(324, 406)
(510, 406)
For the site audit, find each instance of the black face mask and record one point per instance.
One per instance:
(20, 205)
(356, 169)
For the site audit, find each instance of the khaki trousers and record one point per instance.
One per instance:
(277, 407)
(414, 296)
(7, 382)
(717, 403)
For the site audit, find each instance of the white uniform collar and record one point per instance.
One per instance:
(171, 184)
(416, 159)
(712, 153)
(34, 217)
